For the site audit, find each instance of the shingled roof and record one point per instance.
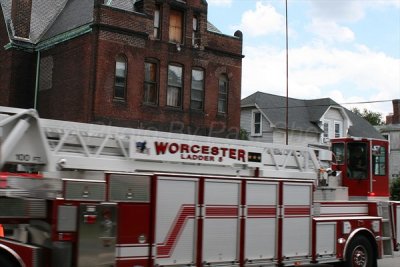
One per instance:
(304, 115)
(58, 17)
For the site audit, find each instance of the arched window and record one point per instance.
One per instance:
(223, 94)
(120, 77)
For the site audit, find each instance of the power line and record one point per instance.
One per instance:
(321, 105)
(365, 102)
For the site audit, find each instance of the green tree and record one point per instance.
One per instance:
(243, 135)
(395, 189)
(375, 118)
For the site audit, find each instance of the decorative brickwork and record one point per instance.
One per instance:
(21, 20)
(79, 81)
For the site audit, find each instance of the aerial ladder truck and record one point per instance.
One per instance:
(85, 195)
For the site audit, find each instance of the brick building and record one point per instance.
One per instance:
(153, 64)
(391, 131)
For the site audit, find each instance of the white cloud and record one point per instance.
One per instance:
(319, 71)
(220, 2)
(331, 31)
(338, 10)
(385, 3)
(262, 21)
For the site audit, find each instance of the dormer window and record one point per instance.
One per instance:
(176, 26)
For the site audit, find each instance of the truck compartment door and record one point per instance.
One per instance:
(296, 225)
(221, 221)
(97, 234)
(175, 233)
(261, 221)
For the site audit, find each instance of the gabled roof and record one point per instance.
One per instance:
(317, 107)
(304, 115)
(52, 18)
(75, 13)
(274, 107)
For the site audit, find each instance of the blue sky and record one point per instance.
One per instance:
(348, 50)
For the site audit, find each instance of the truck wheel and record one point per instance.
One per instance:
(6, 260)
(360, 253)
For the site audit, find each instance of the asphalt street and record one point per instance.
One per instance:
(386, 262)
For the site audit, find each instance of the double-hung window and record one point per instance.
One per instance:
(197, 90)
(195, 33)
(256, 127)
(222, 94)
(120, 78)
(175, 83)
(157, 22)
(338, 129)
(150, 83)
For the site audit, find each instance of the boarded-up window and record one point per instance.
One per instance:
(175, 26)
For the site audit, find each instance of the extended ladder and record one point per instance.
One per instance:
(54, 146)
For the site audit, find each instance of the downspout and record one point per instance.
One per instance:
(37, 76)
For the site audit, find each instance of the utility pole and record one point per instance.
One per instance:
(287, 74)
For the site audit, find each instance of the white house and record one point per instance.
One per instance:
(310, 122)
(391, 131)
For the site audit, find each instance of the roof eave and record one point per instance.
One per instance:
(63, 37)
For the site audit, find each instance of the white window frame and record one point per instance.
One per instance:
(387, 136)
(325, 135)
(340, 123)
(253, 123)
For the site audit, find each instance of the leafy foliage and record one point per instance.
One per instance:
(375, 118)
(243, 135)
(395, 189)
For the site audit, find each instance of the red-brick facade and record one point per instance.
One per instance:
(77, 75)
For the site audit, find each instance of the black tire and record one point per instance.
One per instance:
(360, 253)
(6, 260)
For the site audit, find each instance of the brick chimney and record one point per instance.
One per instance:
(21, 11)
(396, 111)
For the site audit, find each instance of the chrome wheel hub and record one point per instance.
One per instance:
(359, 257)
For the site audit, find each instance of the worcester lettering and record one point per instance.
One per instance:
(163, 148)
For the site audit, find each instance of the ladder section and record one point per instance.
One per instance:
(71, 139)
(54, 146)
(384, 210)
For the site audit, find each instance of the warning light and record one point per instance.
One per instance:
(371, 194)
(65, 236)
(89, 219)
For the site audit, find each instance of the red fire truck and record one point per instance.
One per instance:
(83, 195)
